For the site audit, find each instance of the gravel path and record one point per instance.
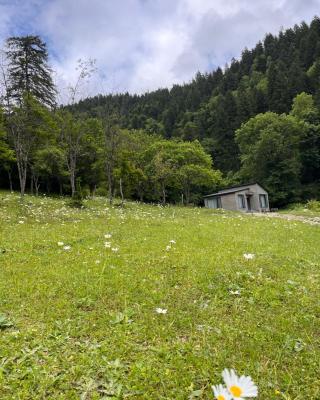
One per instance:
(291, 217)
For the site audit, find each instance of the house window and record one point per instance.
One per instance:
(263, 200)
(215, 202)
(241, 201)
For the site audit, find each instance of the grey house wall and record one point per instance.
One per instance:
(229, 199)
(257, 190)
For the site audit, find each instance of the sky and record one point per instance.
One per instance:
(142, 45)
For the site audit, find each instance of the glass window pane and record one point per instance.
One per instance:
(241, 201)
(263, 200)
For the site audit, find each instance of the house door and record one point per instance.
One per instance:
(249, 203)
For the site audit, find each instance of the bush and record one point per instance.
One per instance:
(102, 191)
(313, 205)
(77, 200)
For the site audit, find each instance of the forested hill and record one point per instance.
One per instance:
(215, 104)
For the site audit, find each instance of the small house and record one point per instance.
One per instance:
(251, 197)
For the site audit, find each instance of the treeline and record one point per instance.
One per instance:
(87, 156)
(213, 106)
(56, 150)
(258, 119)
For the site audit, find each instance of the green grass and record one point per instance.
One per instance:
(310, 209)
(84, 320)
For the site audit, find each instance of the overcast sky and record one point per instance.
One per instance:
(141, 45)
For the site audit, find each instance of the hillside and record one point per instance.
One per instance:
(215, 104)
(256, 121)
(151, 302)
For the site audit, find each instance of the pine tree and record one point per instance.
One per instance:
(278, 96)
(28, 71)
(29, 88)
(296, 79)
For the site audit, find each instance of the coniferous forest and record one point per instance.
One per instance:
(257, 119)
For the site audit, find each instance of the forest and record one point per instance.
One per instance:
(256, 119)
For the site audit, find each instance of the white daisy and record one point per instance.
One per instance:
(172, 241)
(107, 245)
(108, 236)
(168, 248)
(239, 387)
(249, 256)
(66, 247)
(161, 310)
(221, 393)
(115, 249)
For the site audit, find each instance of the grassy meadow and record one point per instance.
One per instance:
(80, 289)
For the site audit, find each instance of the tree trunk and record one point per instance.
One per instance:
(110, 184)
(22, 170)
(140, 191)
(93, 193)
(36, 185)
(188, 195)
(10, 181)
(164, 195)
(73, 182)
(31, 183)
(121, 193)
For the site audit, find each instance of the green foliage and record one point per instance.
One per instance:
(6, 153)
(179, 167)
(313, 205)
(269, 145)
(303, 108)
(5, 322)
(76, 200)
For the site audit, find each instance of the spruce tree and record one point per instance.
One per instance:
(28, 71)
(30, 90)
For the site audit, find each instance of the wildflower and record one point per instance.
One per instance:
(21, 222)
(161, 310)
(107, 245)
(221, 393)
(172, 242)
(66, 247)
(60, 243)
(249, 256)
(239, 387)
(168, 248)
(115, 249)
(235, 292)
(108, 236)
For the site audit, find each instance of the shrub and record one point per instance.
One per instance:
(313, 205)
(102, 191)
(77, 200)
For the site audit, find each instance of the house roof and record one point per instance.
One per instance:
(233, 189)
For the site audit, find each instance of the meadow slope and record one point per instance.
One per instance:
(78, 320)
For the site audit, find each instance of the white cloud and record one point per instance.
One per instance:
(141, 45)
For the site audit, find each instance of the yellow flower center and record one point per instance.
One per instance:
(220, 397)
(236, 391)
